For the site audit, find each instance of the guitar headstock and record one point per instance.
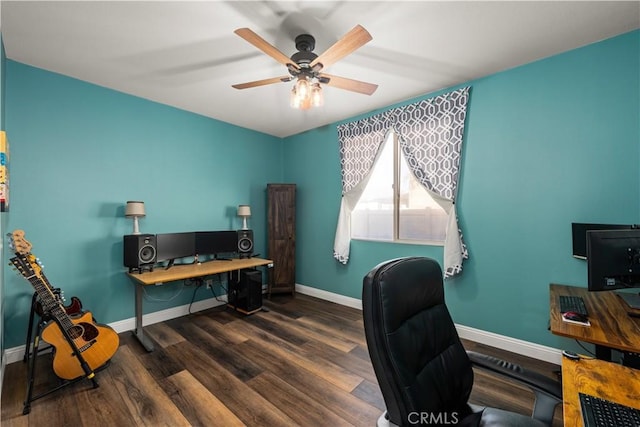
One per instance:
(18, 243)
(24, 261)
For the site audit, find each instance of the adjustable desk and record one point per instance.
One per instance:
(613, 323)
(180, 272)
(598, 378)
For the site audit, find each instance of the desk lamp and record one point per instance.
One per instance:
(244, 211)
(134, 210)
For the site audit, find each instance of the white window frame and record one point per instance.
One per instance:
(393, 139)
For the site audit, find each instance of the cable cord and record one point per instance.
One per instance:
(199, 282)
(150, 298)
(585, 349)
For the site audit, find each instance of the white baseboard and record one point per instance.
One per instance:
(168, 314)
(533, 350)
(514, 345)
(330, 296)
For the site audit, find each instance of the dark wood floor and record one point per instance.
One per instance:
(304, 362)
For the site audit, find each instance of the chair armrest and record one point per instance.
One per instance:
(518, 373)
(548, 391)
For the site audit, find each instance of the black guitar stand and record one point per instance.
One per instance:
(31, 355)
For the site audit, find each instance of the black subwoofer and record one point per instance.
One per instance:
(245, 243)
(139, 252)
(245, 291)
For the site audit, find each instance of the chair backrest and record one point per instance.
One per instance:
(417, 356)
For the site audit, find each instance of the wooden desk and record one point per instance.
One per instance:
(612, 325)
(598, 378)
(181, 272)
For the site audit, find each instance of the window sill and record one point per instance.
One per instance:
(403, 242)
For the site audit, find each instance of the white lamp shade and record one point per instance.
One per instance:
(134, 209)
(244, 210)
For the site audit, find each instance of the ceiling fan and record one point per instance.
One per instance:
(306, 67)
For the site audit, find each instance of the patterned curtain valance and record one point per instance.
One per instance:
(431, 134)
(359, 144)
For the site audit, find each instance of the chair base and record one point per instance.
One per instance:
(383, 421)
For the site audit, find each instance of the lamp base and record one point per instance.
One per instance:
(136, 229)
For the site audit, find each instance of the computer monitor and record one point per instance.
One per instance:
(613, 259)
(172, 246)
(579, 235)
(216, 242)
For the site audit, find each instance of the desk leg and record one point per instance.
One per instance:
(139, 332)
(603, 353)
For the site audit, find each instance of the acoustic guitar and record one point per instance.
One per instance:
(95, 343)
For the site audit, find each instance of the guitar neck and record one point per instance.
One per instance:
(48, 300)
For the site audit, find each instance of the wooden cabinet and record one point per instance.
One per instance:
(281, 237)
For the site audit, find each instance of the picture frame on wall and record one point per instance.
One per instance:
(4, 172)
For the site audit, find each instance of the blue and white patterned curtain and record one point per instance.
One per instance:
(431, 134)
(360, 144)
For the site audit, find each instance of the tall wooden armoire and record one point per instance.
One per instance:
(281, 236)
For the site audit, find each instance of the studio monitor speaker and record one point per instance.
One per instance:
(139, 252)
(245, 243)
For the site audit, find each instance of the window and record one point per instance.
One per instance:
(395, 206)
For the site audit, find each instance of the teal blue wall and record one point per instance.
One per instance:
(549, 143)
(79, 152)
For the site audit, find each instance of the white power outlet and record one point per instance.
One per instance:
(208, 283)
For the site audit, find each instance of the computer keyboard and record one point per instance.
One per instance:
(597, 412)
(573, 303)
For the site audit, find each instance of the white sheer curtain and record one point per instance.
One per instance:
(360, 144)
(431, 134)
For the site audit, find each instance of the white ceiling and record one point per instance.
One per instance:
(185, 54)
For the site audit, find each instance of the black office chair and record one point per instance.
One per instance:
(423, 370)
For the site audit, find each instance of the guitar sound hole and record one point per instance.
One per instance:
(87, 331)
(90, 332)
(75, 331)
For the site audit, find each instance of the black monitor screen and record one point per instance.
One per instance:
(613, 259)
(216, 242)
(579, 235)
(175, 245)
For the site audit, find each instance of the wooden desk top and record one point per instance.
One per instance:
(598, 378)
(611, 324)
(188, 271)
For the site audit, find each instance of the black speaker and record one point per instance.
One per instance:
(245, 291)
(245, 243)
(139, 252)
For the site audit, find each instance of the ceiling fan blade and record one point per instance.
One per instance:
(349, 84)
(262, 82)
(265, 46)
(351, 41)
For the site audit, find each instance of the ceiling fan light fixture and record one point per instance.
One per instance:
(305, 103)
(306, 94)
(294, 99)
(302, 86)
(317, 99)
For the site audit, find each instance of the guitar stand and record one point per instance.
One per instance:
(31, 355)
(32, 315)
